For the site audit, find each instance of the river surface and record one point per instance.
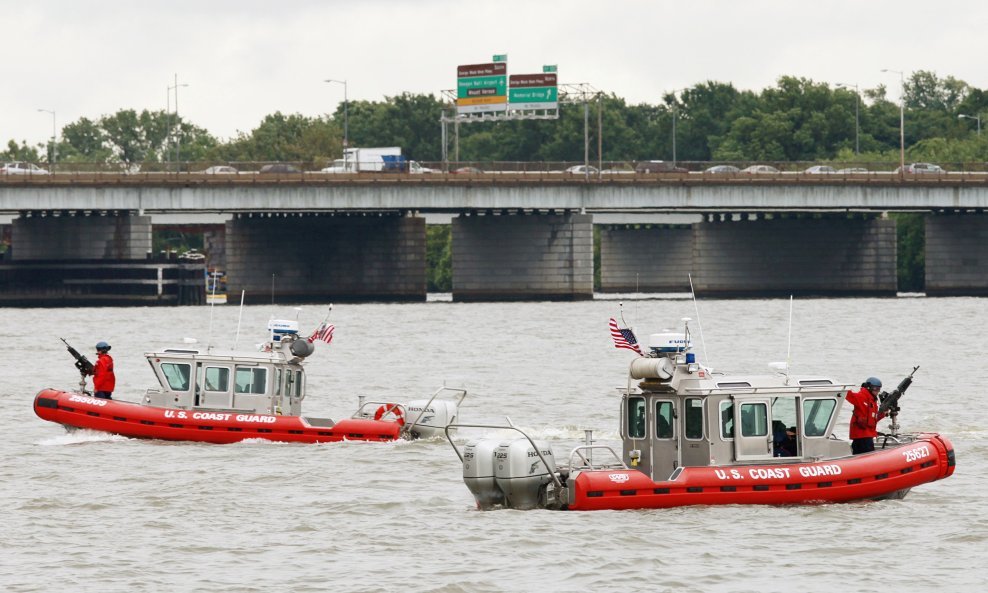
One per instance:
(92, 512)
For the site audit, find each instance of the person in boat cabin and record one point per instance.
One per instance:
(864, 419)
(103, 378)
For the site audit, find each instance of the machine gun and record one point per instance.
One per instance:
(890, 401)
(81, 362)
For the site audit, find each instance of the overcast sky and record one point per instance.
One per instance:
(245, 59)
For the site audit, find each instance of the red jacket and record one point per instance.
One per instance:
(103, 377)
(864, 420)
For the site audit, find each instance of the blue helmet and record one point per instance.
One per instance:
(102, 346)
(873, 382)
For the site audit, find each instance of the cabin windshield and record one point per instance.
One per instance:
(177, 375)
(816, 416)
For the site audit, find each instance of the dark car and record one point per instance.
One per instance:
(468, 170)
(658, 167)
(279, 168)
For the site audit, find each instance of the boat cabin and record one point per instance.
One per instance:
(681, 414)
(268, 381)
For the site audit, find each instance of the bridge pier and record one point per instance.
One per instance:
(79, 236)
(651, 259)
(832, 256)
(513, 257)
(957, 255)
(323, 258)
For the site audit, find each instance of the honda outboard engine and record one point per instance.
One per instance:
(478, 473)
(520, 472)
(428, 421)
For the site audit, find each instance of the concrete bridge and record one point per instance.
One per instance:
(315, 236)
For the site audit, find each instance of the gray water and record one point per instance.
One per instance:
(92, 512)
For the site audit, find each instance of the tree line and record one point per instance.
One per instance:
(797, 120)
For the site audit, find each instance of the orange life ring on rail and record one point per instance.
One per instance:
(393, 409)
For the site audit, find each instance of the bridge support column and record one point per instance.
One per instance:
(782, 256)
(523, 257)
(957, 255)
(78, 237)
(322, 258)
(654, 259)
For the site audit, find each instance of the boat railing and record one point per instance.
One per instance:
(584, 453)
(551, 471)
(833, 387)
(462, 395)
(360, 413)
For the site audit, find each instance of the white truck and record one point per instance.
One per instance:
(386, 159)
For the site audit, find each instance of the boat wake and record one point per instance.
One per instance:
(82, 436)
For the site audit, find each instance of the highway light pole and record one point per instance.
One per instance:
(178, 138)
(974, 117)
(857, 125)
(346, 121)
(675, 116)
(902, 119)
(54, 138)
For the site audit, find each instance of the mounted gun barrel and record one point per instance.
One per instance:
(890, 401)
(81, 362)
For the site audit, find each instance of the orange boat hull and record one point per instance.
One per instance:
(886, 473)
(134, 420)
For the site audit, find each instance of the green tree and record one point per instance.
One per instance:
(438, 255)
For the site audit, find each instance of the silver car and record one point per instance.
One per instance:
(22, 168)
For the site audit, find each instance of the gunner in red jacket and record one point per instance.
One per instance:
(103, 378)
(864, 420)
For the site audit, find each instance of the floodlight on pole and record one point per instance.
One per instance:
(178, 139)
(902, 119)
(974, 117)
(857, 120)
(346, 120)
(54, 138)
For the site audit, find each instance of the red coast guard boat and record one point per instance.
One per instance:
(691, 436)
(215, 396)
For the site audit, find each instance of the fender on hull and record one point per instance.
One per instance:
(134, 420)
(884, 474)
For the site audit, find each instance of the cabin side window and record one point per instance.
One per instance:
(636, 417)
(299, 384)
(277, 382)
(217, 379)
(663, 420)
(754, 419)
(726, 420)
(250, 380)
(694, 418)
(177, 375)
(816, 416)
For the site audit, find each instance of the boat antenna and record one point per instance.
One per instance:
(239, 319)
(699, 326)
(637, 294)
(212, 305)
(789, 346)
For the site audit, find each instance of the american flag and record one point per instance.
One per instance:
(324, 332)
(623, 337)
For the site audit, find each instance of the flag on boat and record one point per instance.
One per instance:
(324, 332)
(623, 337)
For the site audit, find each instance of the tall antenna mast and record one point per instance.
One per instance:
(789, 346)
(699, 326)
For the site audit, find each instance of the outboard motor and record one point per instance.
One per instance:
(478, 473)
(519, 472)
(428, 420)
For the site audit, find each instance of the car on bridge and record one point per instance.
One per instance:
(921, 168)
(658, 167)
(760, 170)
(22, 168)
(581, 170)
(220, 170)
(722, 169)
(279, 168)
(820, 170)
